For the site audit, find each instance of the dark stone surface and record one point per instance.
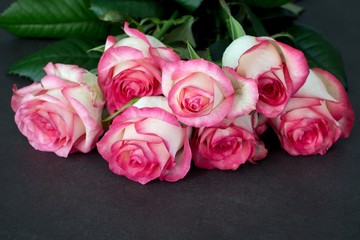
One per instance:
(43, 196)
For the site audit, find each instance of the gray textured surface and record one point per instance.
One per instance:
(318, 197)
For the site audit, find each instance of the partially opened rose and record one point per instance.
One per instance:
(62, 113)
(146, 142)
(228, 144)
(315, 117)
(278, 69)
(199, 92)
(131, 67)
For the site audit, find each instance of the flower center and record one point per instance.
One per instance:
(271, 91)
(195, 100)
(134, 82)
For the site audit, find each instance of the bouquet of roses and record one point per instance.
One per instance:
(151, 109)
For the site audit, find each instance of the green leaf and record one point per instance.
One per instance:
(217, 49)
(236, 30)
(294, 8)
(318, 51)
(267, 3)
(192, 53)
(183, 32)
(100, 48)
(52, 18)
(255, 22)
(69, 51)
(190, 5)
(120, 10)
(275, 20)
(182, 51)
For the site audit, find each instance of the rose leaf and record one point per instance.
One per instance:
(68, 51)
(52, 18)
(318, 51)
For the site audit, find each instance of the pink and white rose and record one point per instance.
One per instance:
(131, 67)
(62, 113)
(316, 117)
(146, 142)
(199, 92)
(278, 69)
(228, 144)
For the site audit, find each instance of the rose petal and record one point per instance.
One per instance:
(259, 59)
(342, 110)
(90, 117)
(110, 41)
(114, 56)
(246, 94)
(65, 71)
(134, 43)
(314, 87)
(164, 55)
(237, 48)
(296, 64)
(19, 94)
(182, 162)
(135, 33)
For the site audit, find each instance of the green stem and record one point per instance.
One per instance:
(283, 34)
(130, 103)
(166, 26)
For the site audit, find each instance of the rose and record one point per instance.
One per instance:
(278, 69)
(246, 94)
(62, 113)
(146, 142)
(315, 118)
(199, 92)
(131, 67)
(228, 144)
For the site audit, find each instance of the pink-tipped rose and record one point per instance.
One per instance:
(246, 94)
(131, 67)
(228, 144)
(146, 142)
(62, 113)
(199, 92)
(315, 118)
(278, 69)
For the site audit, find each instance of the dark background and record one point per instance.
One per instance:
(43, 196)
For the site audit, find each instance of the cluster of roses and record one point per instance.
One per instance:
(187, 110)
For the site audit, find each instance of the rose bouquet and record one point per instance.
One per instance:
(153, 104)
